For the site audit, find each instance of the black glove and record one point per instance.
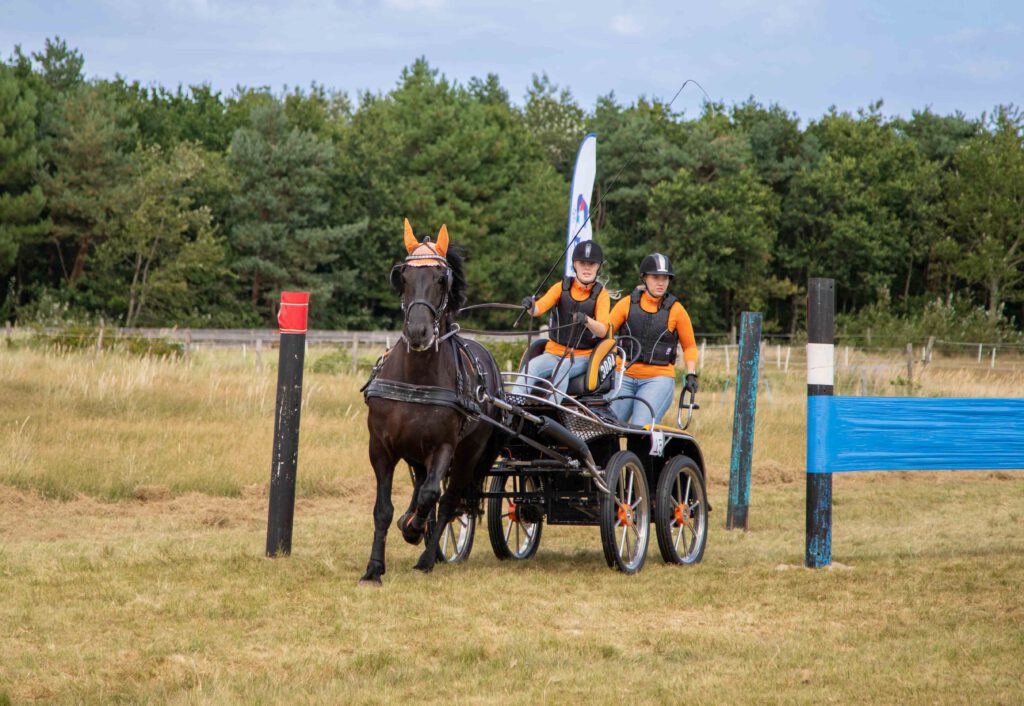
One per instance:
(691, 383)
(528, 304)
(579, 318)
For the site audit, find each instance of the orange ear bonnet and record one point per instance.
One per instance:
(410, 240)
(425, 253)
(442, 240)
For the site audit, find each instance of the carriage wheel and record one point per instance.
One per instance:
(456, 541)
(512, 537)
(626, 513)
(681, 512)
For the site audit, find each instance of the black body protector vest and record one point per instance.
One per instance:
(561, 316)
(657, 344)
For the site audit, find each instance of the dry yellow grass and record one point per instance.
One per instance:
(132, 521)
(106, 426)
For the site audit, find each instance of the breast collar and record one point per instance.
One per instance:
(462, 400)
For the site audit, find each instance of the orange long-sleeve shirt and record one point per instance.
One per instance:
(678, 321)
(579, 293)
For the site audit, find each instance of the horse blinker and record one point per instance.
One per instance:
(397, 278)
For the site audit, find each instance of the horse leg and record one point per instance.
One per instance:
(445, 512)
(410, 535)
(383, 511)
(430, 492)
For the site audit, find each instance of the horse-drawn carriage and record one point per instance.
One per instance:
(568, 461)
(513, 449)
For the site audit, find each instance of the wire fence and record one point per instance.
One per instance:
(778, 351)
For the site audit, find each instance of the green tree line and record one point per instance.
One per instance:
(154, 207)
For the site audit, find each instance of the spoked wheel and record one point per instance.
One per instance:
(514, 533)
(457, 539)
(626, 513)
(681, 512)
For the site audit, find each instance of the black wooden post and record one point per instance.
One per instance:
(292, 321)
(821, 308)
(743, 419)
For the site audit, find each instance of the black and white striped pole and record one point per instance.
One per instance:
(292, 319)
(821, 308)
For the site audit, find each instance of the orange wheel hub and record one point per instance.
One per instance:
(625, 515)
(680, 513)
(512, 516)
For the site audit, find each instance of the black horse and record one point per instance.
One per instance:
(422, 403)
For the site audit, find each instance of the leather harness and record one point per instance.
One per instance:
(460, 399)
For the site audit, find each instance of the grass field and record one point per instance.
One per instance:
(133, 517)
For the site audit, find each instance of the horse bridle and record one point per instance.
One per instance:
(437, 312)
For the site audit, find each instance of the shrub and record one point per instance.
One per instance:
(339, 362)
(82, 337)
(506, 352)
(951, 320)
(159, 347)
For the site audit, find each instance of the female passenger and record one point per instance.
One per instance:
(657, 323)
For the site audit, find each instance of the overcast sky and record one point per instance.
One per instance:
(805, 55)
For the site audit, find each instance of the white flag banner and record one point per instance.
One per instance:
(580, 197)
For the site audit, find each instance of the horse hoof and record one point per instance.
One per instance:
(423, 567)
(409, 534)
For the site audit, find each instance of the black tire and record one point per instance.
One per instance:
(511, 537)
(456, 541)
(626, 513)
(681, 511)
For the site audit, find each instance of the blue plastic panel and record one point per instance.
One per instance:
(914, 434)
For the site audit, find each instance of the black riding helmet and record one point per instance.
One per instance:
(656, 264)
(587, 251)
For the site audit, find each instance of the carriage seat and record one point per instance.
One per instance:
(593, 384)
(599, 377)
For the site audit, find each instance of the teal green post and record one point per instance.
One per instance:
(743, 420)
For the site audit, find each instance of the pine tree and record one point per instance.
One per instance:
(88, 147)
(281, 236)
(21, 199)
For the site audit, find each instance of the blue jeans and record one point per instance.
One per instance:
(544, 364)
(657, 392)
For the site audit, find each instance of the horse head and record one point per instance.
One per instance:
(430, 282)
